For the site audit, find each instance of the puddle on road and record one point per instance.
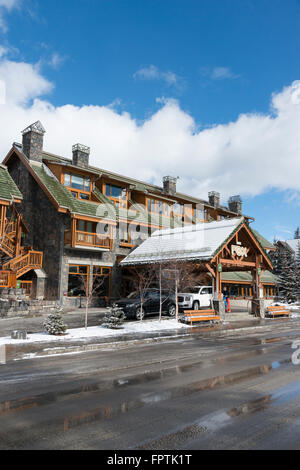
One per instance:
(17, 405)
(176, 392)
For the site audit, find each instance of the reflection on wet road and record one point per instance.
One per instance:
(241, 390)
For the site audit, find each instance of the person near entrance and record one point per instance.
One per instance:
(226, 300)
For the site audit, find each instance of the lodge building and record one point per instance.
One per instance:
(78, 221)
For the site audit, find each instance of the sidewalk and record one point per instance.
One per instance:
(16, 350)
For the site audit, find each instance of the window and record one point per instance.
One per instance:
(101, 281)
(78, 280)
(199, 213)
(79, 185)
(178, 210)
(159, 207)
(124, 235)
(117, 194)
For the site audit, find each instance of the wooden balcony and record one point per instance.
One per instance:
(7, 279)
(87, 239)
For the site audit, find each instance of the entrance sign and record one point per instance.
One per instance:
(239, 250)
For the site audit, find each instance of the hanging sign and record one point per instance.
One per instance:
(259, 271)
(219, 268)
(239, 250)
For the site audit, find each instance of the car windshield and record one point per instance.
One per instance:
(133, 295)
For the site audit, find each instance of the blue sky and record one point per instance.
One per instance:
(208, 61)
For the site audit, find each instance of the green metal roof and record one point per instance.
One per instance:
(8, 189)
(64, 198)
(264, 242)
(245, 276)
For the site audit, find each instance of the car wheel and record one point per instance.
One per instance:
(172, 311)
(140, 313)
(196, 305)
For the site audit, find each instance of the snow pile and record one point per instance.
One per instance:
(82, 334)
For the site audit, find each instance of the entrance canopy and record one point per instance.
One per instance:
(229, 243)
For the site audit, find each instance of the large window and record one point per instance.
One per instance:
(80, 186)
(159, 207)
(79, 282)
(117, 194)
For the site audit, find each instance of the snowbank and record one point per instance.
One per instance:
(82, 334)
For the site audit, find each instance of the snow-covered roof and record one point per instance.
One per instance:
(199, 241)
(293, 244)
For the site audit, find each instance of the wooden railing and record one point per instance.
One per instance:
(23, 264)
(89, 239)
(8, 279)
(7, 245)
(27, 285)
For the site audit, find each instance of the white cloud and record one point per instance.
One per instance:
(218, 73)
(23, 82)
(247, 156)
(3, 51)
(221, 73)
(153, 73)
(5, 6)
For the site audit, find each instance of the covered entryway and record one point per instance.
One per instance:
(215, 247)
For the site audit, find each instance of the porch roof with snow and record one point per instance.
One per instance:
(203, 242)
(192, 242)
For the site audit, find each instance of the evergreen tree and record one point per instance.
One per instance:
(114, 318)
(297, 233)
(288, 277)
(297, 261)
(276, 258)
(54, 325)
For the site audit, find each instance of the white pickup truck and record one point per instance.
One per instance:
(195, 298)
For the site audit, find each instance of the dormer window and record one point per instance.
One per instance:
(117, 194)
(78, 185)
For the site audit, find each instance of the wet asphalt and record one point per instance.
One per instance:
(237, 392)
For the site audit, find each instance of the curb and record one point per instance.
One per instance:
(25, 351)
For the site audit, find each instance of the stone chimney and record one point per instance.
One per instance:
(32, 142)
(235, 204)
(214, 198)
(81, 155)
(169, 183)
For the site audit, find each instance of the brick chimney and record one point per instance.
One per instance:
(81, 155)
(235, 204)
(169, 183)
(32, 141)
(214, 198)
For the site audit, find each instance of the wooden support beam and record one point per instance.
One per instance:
(237, 263)
(208, 267)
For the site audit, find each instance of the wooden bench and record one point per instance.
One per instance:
(200, 315)
(277, 311)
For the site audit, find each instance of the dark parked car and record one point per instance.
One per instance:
(131, 305)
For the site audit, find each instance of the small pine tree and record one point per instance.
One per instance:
(54, 324)
(297, 233)
(114, 318)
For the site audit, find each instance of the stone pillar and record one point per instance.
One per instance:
(39, 287)
(219, 307)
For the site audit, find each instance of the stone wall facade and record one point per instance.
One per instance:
(46, 233)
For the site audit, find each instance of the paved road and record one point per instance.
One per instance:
(237, 392)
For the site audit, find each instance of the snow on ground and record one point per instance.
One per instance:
(82, 334)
